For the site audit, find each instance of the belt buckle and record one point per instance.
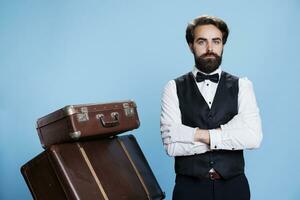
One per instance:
(211, 176)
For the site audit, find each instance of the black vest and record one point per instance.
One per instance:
(196, 113)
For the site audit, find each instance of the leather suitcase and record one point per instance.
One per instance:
(104, 169)
(76, 122)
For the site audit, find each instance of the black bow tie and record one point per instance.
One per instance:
(201, 77)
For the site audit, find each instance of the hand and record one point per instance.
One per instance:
(202, 135)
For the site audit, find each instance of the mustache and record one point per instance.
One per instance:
(209, 54)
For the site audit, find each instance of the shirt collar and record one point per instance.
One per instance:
(195, 70)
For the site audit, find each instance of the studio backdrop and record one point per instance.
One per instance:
(56, 53)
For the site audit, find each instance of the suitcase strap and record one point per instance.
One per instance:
(86, 159)
(135, 168)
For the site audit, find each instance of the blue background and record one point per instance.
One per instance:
(55, 53)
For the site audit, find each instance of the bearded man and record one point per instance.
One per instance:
(208, 118)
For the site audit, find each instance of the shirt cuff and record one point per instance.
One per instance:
(215, 139)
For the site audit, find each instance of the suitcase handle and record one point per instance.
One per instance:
(107, 124)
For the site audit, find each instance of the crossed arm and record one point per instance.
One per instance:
(243, 131)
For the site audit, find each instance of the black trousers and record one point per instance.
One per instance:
(190, 188)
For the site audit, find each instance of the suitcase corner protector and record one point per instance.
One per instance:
(69, 110)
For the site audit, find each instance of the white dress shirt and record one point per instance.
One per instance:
(243, 131)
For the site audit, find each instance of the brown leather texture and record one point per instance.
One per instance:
(213, 176)
(41, 179)
(143, 167)
(111, 168)
(87, 121)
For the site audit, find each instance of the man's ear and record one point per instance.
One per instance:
(191, 47)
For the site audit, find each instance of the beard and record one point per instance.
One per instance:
(208, 65)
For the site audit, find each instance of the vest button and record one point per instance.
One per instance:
(209, 116)
(211, 163)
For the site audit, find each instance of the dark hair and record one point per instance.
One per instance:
(206, 20)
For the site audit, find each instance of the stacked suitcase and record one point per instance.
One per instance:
(85, 159)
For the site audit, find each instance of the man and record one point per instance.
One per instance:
(208, 118)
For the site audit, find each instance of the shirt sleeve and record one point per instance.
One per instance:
(244, 130)
(178, 139)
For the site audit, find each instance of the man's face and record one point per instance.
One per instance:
(207, 48)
